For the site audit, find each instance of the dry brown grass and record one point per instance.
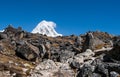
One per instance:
(99, 46)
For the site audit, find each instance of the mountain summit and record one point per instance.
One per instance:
(46, 28)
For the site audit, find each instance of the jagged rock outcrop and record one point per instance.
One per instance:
(115, 52)
(97, 40)
(23, 54)
(27, 51)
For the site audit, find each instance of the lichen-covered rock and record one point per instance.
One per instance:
(28, 51)
(49, 68)
(3, 36)
(93, 42)
(46, 65)
(6, 48)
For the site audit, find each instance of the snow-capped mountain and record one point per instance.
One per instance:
(46, 28)
(1, 30)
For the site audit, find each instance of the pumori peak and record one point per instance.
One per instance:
(46, 28)
(1, 30)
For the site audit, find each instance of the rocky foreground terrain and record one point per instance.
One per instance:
(23, 54)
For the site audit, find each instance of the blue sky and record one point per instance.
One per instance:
(71, 16)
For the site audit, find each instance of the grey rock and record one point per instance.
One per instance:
(79, 59)
(102, 70)
(27, 51)
(87, 54)
(3, 36)
(114, 74)
(95, 75)
(49, 68)
(65, 55)
(86, 71)
(115, 52)
(75, 65)
(92, 42)
(45, 65)
(79, 40)
(20, 42)
(113, 66)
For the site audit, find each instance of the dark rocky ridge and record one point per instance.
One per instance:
(23, 54)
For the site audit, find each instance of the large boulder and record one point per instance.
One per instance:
(97, 40)
(114, 74)
(65, 55)
(3, 36)
(87, 55)
(86, 71)
(92, 42)
(49, 68)
(6, 48)
(115, 52)
(27, 51)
